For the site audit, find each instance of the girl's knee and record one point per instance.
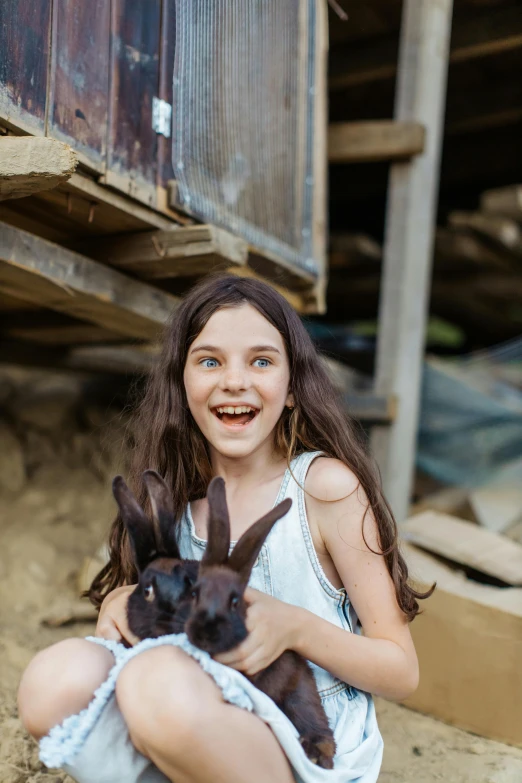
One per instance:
(165, 697)
(59, 682)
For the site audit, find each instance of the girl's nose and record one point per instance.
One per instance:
(234, 380)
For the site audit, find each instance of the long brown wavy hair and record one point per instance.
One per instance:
(168, 440)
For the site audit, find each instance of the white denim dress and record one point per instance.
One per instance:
(94, 746)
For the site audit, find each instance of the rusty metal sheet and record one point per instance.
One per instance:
(79, 86)
(24, 58)
(134, 74)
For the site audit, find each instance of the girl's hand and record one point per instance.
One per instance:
(112, 620)
(272, 628)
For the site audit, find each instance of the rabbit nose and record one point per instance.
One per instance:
(212, 611)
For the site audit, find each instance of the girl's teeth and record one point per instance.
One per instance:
(229, 409)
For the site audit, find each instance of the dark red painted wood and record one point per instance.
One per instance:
(79, 90)
(133, 144)
(24, 58)
(167, 50)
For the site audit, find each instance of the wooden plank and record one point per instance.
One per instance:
(362, 404)
(362, 142)
(30, 164)
(501, 230)
(467, 544)
(133, 145)
(24, 63)
(480, 34)
(51, 276)
(408, 248)
(181, 252)
(459, 247)
(79, 79)
(298, 299)
(120, 212)
(503, 201)
(81, 207)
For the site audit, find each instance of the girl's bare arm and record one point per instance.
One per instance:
(383, 660)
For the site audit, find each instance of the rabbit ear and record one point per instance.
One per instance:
(218, 535)
(249, 545)
(163, 512)
(139, 528)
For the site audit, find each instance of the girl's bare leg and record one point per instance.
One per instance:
(177, 717)
(59, 682)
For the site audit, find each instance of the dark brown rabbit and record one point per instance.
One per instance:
(217, 623)
(161, 602)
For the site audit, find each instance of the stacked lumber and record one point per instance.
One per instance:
(477, 272)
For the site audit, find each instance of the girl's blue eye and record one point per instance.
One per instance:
(203, 362)
(267, 362)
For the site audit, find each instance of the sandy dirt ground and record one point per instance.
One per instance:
(55, 501)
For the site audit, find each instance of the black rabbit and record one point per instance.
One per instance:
(217, 623)
(161, 602)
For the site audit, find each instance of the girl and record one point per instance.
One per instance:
(240, 392)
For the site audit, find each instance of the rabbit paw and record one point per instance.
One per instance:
(320, 750)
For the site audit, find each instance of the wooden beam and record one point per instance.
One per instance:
(29, 164)
(459, 247)
(194, 250)
(481, 34)
(361, 142)
(504, 231)
(48, 275)
(362, 404)
(298, 300)
(408, 247)
(102, 207)
(503, 201)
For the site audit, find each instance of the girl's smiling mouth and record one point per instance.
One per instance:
(235, 415)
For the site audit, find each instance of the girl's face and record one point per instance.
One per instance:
(236, 380)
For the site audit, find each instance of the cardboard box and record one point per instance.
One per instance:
(469, 636)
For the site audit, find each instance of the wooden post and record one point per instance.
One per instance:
(408, 248)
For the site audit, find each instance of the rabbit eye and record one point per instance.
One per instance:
(234, 602)
(194, 594)
(148, 592)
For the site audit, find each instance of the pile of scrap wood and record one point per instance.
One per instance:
(477, 282)
(469, 634)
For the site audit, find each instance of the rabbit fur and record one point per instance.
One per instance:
(217, 623)
(161, 602)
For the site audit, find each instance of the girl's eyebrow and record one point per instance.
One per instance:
(254, 348)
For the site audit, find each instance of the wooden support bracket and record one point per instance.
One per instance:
(362, 142)
(29, 165)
